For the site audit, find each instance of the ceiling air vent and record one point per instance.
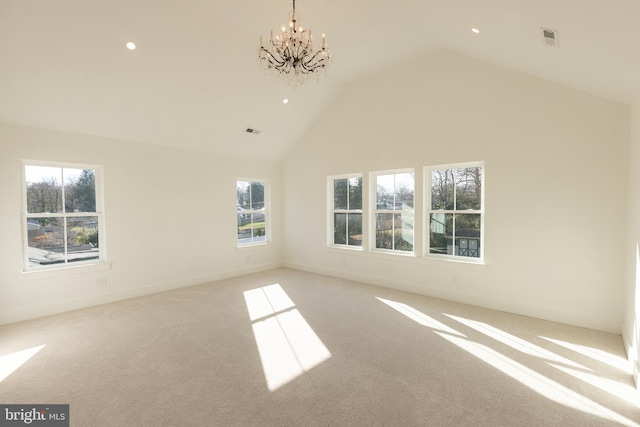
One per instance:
(550, 37)
(252, 130)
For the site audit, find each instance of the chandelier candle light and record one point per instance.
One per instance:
(291, 56)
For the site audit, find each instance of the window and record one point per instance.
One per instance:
(345, 216)
(393, 211)
(252, 212)
(456, 211)
(62, 215)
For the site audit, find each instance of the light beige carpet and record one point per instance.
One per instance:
(287, 348)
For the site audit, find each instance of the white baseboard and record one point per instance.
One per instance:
(576, 319)
(75, 304)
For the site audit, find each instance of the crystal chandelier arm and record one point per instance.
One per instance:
(309, 64)
(272, 59)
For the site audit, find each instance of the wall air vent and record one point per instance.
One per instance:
(550, 37)
(252, 130)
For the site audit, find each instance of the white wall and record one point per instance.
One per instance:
(631, 333)
(556, 185)
(556, 198)
(170, 220)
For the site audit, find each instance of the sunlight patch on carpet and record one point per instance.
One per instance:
(516, 343)
(287, 345)
(595, 354)
(524, 375)
(535, 381)
(617, 389)
(12, 361)
(265, 301)
(418, 317)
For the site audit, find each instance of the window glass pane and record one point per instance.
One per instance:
(258, 227)
(259, 218)
(355, 229)
(404, 189)
(384, 191)
(244, 228)
(468, 235)
(340, 193)
(440, 233)
(242, 194)
(355, 193)
(79, 190)
(442, 189)
(45, 237)
(340, 229)
(384, 230)
(257, 196)
(44, 189)
(403, 232)
(468, 188)
(82, 238)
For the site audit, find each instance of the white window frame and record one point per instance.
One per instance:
(99, 194)
(331, 211)
(266, 211)
(373, 211)
(428, 211)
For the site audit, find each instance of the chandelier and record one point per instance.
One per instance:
(291, 56)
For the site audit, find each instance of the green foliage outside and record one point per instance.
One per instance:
(85, 236)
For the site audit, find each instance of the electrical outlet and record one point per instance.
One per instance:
(102, 282)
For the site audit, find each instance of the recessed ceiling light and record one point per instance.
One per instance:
(131, 46)
(285, 101)
(475, 30)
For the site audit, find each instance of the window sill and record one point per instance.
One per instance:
(391, 252)
(346, 248)
(409, 257)
(254, 246)
(47, 273)
(457, 260)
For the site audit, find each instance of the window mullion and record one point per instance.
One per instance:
(65, 239)
(453, 235)
(346, 220)
(64, 221)
(45, 215)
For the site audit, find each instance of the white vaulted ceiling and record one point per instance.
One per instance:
(194, 80)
